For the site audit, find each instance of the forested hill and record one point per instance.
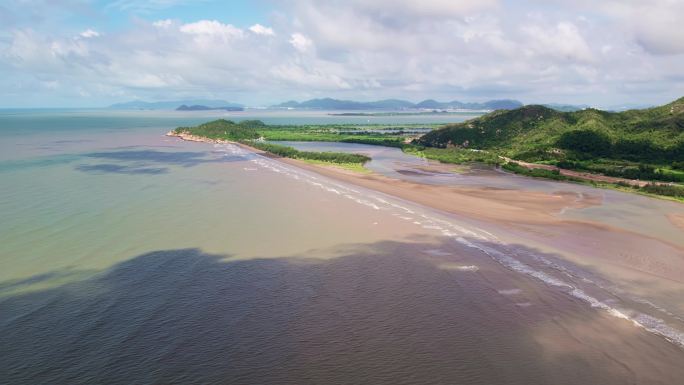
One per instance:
(537, 133)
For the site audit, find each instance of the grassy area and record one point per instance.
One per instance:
(453, 155)
(355, 167)
(289, 152)
(538, 172)
(625, 169)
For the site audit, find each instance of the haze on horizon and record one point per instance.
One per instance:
(91, 53)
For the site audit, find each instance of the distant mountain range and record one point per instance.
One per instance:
(396, 104)
(172, 105)
(337, 104)
(198, 107)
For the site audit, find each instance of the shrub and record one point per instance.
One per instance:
(667, 190)
(586, 141)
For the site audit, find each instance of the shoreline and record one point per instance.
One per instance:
(523, 215)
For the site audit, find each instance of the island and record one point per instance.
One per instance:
(197, 107)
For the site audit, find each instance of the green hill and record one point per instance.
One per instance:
(225, 129)
(537, 133)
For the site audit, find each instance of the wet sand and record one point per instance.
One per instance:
(677, 220)
(528, 213)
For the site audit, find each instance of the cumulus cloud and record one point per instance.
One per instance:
(213, 29)
(261, 30)
(423, 8)
(88, 33)
(659, 29)
(562, 40)
(300, 42)
(582, 52)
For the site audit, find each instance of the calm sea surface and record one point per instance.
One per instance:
(130, 257)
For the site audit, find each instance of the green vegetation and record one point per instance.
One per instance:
(356, 167)
(453, 155)
(249, 131)
(625, 169)
(666, 190)
(539, 134)
(289, 152)
(638, 144)
(225, 129)
(537, 172)
(652, 189)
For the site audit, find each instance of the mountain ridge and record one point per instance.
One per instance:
(397, 104)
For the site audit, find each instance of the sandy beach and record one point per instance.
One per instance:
(527, 215)
(635, 262)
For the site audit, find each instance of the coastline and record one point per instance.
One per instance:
(523, 215)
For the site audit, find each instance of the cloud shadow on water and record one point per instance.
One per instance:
(120, 169)
(178, 158)
(378, 313)
(147, 162)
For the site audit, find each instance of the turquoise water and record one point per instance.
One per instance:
(131, 257)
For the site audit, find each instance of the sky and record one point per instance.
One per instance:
(92, 53)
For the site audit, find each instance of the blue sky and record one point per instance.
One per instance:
(64, 15)
(91, 53)
(241, 13)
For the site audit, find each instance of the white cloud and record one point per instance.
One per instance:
(562, 40)
(581, 52)
(659, 29)
(300, 42)
(313, 78)
(213, 29)
(166, 23)
(261, 30)
(88, 33)
(423, 8)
